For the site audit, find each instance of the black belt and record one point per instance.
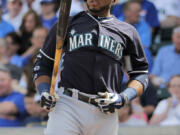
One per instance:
(81, 97)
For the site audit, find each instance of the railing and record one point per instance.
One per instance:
(155, 130)
(150, 130)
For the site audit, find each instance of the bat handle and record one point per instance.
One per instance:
(55, 71)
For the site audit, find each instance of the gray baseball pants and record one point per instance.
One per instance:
(74, 117)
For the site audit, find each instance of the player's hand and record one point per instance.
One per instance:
(48, 101)
(108, 102)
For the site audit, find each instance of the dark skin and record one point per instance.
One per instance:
(100, 7)
(97, 8)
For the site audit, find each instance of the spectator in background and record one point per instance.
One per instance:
(149, 12)
(14, 43)
(168, 110)
(126, 117)
(3, 51)
(30, 22)
(168, 12)
(38, 38)
(29, 3)
(15, 13)
(118, 1)
(37, 41)
(167, 62)
(37, 115)
(12, 103)
(26, 79)
(36, 6)
(138, 110)
(15, 71)
(3, 4)
(5, 27)
(132, 11)
(76, 7)
(149, 100)
(48, 13)
(32, 5)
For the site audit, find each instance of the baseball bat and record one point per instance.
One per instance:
(65, 6)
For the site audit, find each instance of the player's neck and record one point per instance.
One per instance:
(101, 14)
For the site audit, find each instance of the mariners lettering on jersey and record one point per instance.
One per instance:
(79, 40)
(111, 45)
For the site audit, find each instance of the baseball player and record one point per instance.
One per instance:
(91, 68)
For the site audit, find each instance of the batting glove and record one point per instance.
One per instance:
(48, 101)
(108, 102)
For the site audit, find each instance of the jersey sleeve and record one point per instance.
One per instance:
(45, 59)
(135, 59)
(49, 47)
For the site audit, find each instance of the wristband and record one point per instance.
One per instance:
(129, 94)
(43, 87)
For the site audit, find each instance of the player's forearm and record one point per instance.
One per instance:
(42, 79)
(43, 83)
(135, 87)
(7, 108)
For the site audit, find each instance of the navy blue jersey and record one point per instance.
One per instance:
(93, 53)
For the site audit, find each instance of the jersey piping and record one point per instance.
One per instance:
(133, 72)
(46, 55)
(109, 19)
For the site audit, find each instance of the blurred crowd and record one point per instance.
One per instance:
(24, 25)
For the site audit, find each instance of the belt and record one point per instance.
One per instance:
(81, 97)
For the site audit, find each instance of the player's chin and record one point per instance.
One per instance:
(94, 10)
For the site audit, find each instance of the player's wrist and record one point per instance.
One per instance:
(143, 79)
(122, 98)
(43, 87)
(128, 95)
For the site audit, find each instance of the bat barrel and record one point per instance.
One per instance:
(65, 7)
